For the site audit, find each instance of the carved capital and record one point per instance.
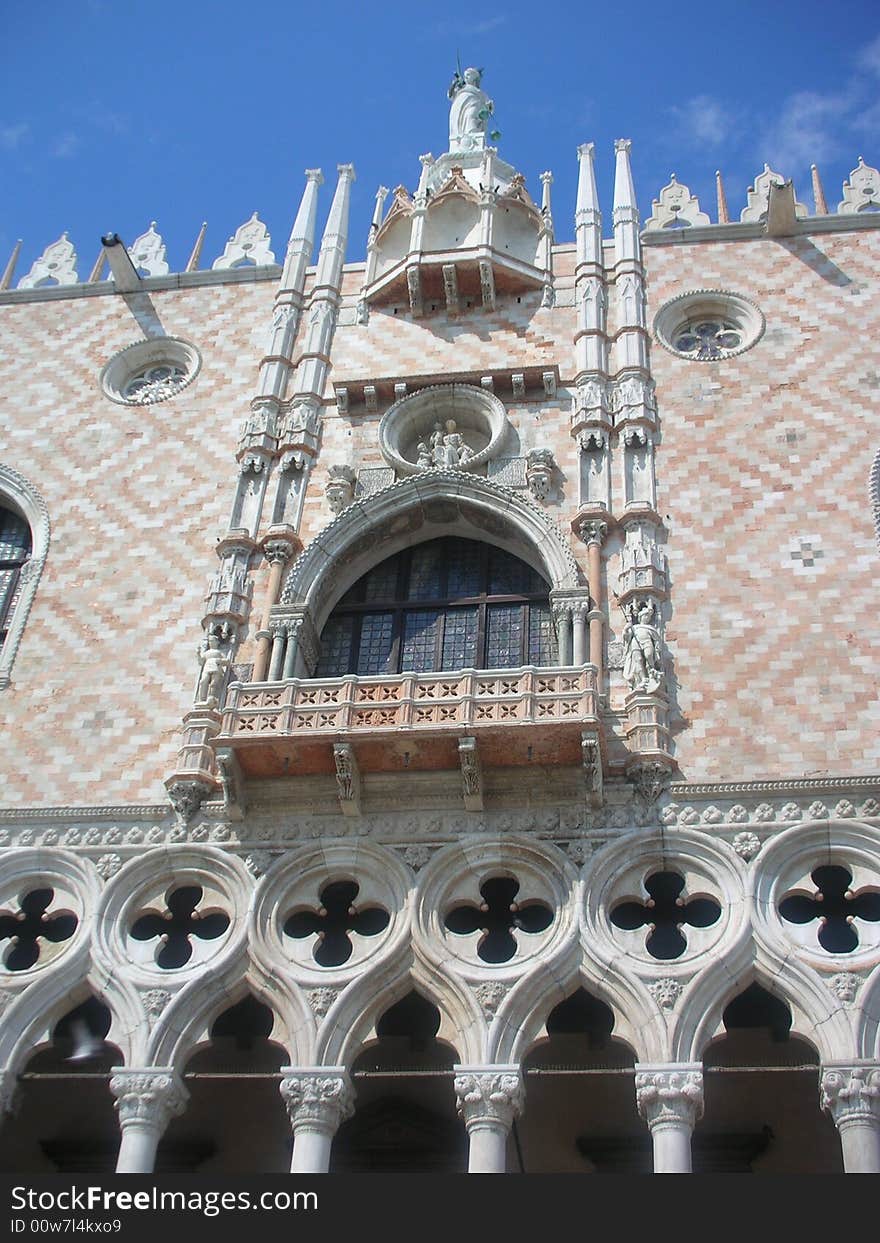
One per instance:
(669, 1095)
(590, 530)
(319, 1098)
(150, 1097)
(277, 551)
(851, 1093)
(489, 1094)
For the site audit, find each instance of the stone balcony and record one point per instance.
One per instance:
(411, 720)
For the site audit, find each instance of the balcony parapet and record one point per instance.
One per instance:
(540, 706)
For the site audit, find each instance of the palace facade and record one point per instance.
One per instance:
(439, 690)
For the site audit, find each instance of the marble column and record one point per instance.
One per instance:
(489, 1098)
(318, 1100)
(670, 1099)
(850, 1092)
(146, 1100)
(279, 639)
(277, 553)
(562, 617)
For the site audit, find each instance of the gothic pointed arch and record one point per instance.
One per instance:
(20, 500)
(425, 506)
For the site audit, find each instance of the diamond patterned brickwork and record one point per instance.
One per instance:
(763, 470)
(136, 498)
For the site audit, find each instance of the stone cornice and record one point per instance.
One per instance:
(792, 785)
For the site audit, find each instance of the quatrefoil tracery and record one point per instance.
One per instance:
(334, 921)
(178, 924)
(665, 912)
(835, 906)
(33, 924)
(497, 916)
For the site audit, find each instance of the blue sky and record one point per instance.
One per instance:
(113, 114)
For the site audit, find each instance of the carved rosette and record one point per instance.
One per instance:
(670, 1097)
(490, 1095)
(148, 1098)
(851, 1094)
(318, 1100)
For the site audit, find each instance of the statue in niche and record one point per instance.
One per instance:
(642, 648)
(445, 449)
(469, 113)
(214, 666)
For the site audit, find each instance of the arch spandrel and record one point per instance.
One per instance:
(422, 507)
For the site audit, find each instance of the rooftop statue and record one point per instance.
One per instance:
(470, 112)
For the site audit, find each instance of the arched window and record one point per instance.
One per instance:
(446, 604)
(15, 551)
(24, 543)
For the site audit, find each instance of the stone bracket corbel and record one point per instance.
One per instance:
(232, 781)
(471, 774)
(348, 778)
(591, 756)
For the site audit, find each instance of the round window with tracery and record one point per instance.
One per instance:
(708, 325)
(150, 371)
(155, 383)
(708, 338)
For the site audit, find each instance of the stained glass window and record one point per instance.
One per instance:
(445, 604)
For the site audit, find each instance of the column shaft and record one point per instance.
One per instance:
(278, 643)
(137, 1150)
(311, 1149)
(264, 639)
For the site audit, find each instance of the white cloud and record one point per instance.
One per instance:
(807, 130)
(869, 57)
(704, 122)
(12, 136)
(66, 146)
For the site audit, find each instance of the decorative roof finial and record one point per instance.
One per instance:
(818, 193)
(723, 213)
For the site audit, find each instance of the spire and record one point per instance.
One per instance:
(332, 254)
(95, 274)
(723, 213)
(587, 217)
(375, 224)
(193, 263)
(9, 270)
(818, 193)
(546, 211)
(626, 212)
(624, 189)
(302, 235)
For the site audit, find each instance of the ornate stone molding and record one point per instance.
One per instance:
(851, 1093)
(489, 1094)
(670, 1094)
(151, 1097)
(317, 1098)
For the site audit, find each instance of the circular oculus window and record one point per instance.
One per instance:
(150, 371)
(708, 325)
